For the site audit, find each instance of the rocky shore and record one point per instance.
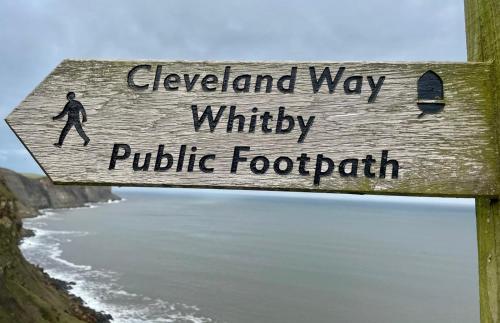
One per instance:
(27, 293)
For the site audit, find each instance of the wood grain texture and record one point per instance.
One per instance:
(488, 232)
(452, 153)
(483, 44)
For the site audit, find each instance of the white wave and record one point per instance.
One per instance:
(43, 232)
(56, 256)
(42, 214)
(85, 206)
(98, 288)
(95, 204)
(122, 293)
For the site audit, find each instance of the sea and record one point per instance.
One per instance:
(196, 256)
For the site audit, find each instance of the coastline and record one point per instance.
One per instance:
(27, 294)
(64, 245)
(206, 249)
(81, 309)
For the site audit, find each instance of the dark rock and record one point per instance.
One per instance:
(26, 233)
(27, 293)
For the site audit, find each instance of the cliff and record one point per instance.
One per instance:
(33, 194)
(27, 294)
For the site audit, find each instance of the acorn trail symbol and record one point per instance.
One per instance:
(430, 93)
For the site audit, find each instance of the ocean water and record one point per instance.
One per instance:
(248, 257)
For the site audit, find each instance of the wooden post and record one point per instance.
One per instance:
(483, 44)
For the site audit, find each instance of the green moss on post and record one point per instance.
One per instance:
(482, 19)
(488, 232)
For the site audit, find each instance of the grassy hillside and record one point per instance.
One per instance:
(26, 293)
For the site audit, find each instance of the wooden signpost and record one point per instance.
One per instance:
(482, 18)
(339, 127)
(379, 128)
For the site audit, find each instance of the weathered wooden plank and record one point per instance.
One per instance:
(452, 152)
(488, 229)
(483, 44)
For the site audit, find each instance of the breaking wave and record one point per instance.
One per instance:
(98, 288)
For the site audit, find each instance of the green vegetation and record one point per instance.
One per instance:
(27, 294)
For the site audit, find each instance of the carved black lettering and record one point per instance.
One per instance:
(375, 87)
(232, 117)
(303, 159)
(269, 83)
(319, 172)
(266, 117)
(131, 74)
(237, 83)
(192, 158)
(190, 83)
(290, 79)
(237, 158)
(115, 156)
(283, 117)
(287, 169)
(358, 82)
(225, 80)
(384, 162)
(144, 166)
(203, 163)
(180, 161)
(253, 120)
(156, 83)
(171, 82)
(159, 159)
(368, 164)
(304, 127)
(353, 170)
(332, 84)
(207, 114)
(259, 159)
(208, 81)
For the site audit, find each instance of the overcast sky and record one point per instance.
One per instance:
(37, 35)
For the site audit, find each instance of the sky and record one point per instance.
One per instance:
(37, 35)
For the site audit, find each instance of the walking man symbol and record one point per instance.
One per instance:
(73, 109)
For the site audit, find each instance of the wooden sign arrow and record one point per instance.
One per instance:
(394, 128)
